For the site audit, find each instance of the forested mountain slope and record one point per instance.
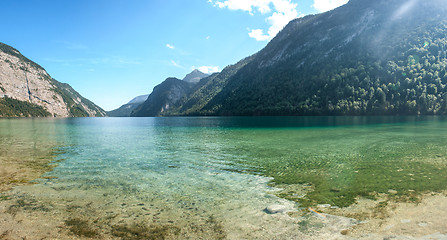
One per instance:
(367, 57)
(163, 97)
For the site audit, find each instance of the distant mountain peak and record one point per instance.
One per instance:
(138, 99)
(195, 76)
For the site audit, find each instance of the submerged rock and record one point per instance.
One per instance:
(392, 191)
(273, 209)
(324, 205)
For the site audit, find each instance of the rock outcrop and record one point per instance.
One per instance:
(27, 90)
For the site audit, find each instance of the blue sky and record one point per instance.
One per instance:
(113, 50)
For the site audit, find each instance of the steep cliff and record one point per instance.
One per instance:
(27, 90)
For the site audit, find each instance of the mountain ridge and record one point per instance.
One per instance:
(195, 76)
(126, 109)
(383, 57)
(163, 97)
(168, 95)
(27, 90)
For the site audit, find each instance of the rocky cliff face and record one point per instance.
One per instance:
(31, 87)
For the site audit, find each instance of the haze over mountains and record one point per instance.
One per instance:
(27, 90)
(162, 96)
(126, 109)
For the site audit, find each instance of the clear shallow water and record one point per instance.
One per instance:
(209, 177)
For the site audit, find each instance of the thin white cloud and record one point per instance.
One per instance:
(114, 60)
(73, 45)
(207, 69)
(326, 5)
(283, 12)
(170, 46)
(207, 37)
(176, 64)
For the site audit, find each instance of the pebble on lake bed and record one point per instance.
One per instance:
(324, 205)
(273, 209)
(422, 224)
(391, 191)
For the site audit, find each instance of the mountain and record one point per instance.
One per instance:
(206, 90)
(169, 95)
(126, 109)
(366, 57)
(27, 90)
(163, 97)
(195, 76)
(139, 99)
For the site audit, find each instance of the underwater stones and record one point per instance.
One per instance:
(422, 224)
(393, 192)
(324, 205)
(405, 221)
(273, 209)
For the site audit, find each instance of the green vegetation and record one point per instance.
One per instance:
(27, 205)
(2, 88)
(81, 227)
(335, 166)
(189, 98)
(164, 96)
(356, 60)
(10, 107)
(3, 197)
(410, 78)
(139, 231)
(206, 90)
(69, 94)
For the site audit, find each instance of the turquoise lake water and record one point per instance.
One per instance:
(213, 177)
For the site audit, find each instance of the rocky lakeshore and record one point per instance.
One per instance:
(36, 212)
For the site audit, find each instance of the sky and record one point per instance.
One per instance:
(111, 51)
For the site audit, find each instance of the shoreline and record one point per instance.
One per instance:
(386, 218)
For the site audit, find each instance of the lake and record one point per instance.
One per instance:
(214, 177)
